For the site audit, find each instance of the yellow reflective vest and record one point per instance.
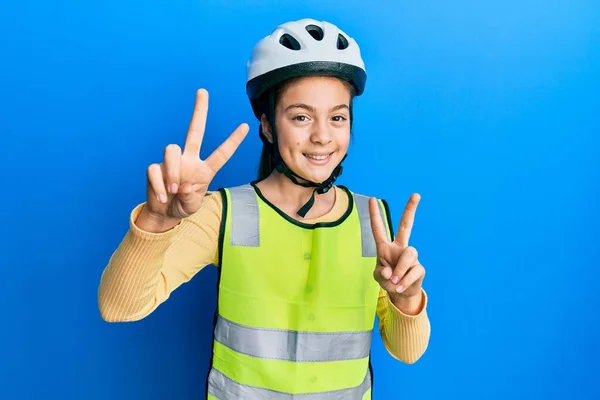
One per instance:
(296, 302)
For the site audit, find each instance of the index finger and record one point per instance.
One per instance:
(376, 222)
(193, 140)
(407, 220)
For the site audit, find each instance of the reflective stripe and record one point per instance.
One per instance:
(366, 232)
(244, 217)
(279, 344)
(224, 388)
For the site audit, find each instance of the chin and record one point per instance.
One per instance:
(317, 176)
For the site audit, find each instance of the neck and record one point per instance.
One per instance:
(288, 196)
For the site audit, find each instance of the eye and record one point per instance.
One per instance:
(300, 118)
(339, 118)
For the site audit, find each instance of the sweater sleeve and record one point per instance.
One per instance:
(405, 337)
(146, 267)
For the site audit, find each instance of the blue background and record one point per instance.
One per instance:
(489, 109)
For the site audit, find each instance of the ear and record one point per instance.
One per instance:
(266, 128)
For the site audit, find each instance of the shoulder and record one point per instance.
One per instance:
(363, 197)
(213, 199)
(361, 203)
(226, 194)
(224, 197)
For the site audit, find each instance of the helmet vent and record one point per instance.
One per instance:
(315, 31)
(342, 42)
(289, 41)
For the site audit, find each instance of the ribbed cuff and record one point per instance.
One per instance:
(406, 337)
(399, 314)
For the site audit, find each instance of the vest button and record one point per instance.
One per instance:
(307, 256)
(311, 317)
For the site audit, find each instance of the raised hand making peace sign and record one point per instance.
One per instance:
(177, 185)
(398, 270)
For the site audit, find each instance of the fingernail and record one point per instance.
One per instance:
(399, 289)
(162, 198)
(173, 188)
(395, 279)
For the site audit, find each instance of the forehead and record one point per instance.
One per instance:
(316, 90)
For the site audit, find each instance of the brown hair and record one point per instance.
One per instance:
(266, 165)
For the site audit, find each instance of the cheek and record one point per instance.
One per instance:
(289, 138)
(343, 139)
(289, 148)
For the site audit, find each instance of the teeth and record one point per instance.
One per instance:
(317, 157)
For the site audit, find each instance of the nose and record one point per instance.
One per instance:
(320, 133)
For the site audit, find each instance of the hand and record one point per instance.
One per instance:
(176, 186)
(398, 270)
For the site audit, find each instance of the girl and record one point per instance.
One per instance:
(305, 265)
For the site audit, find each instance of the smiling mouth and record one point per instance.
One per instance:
(318, 157)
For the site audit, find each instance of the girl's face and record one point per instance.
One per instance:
(313, 126)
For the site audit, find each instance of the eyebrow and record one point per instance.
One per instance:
(312, 109)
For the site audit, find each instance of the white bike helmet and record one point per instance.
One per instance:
(302, 48)
(295, 49)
